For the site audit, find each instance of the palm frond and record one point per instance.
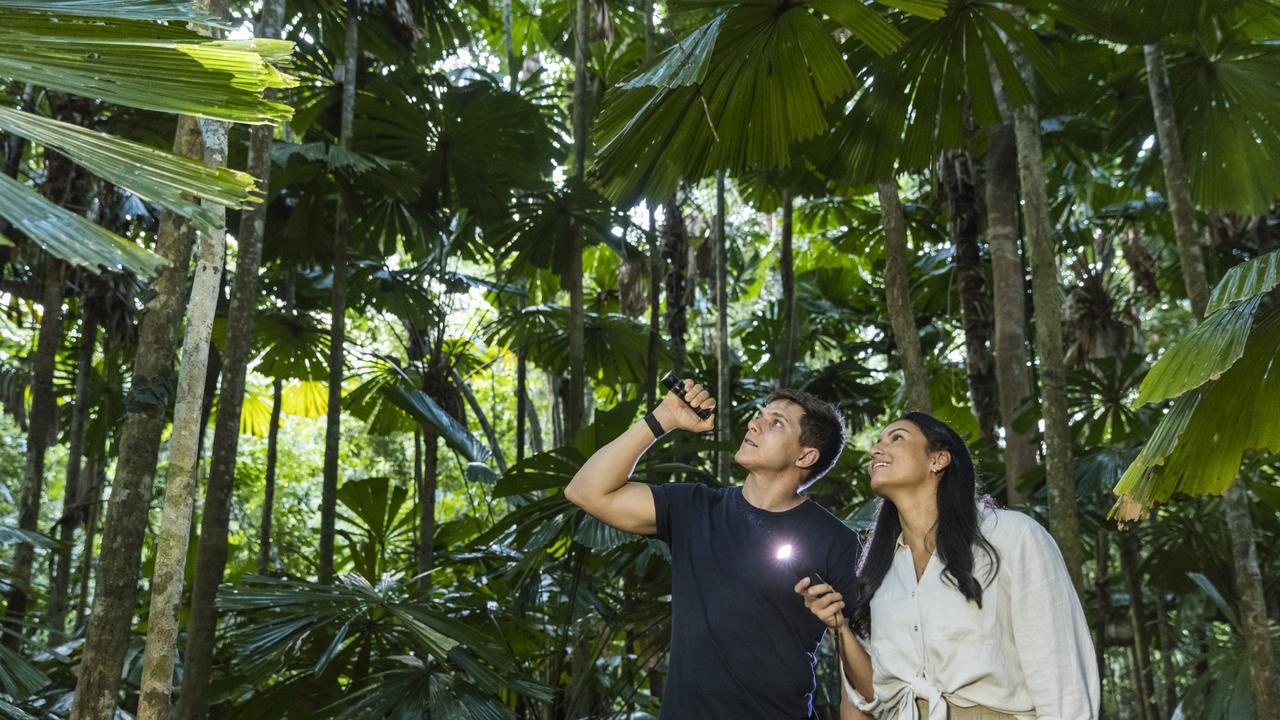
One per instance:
(156, 10)
(69, 236)
(1198, 446)
(153, 175)
(146, 65)
(737, 93)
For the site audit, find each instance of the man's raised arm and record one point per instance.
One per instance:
(601, 486)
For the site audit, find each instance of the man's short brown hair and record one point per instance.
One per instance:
(822, 427)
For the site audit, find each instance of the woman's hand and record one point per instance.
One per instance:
(823, 601)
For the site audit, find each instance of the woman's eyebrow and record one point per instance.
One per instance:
(894, 430)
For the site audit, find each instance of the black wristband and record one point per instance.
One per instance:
(654, 426)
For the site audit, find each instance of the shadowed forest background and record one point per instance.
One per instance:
(309, 309)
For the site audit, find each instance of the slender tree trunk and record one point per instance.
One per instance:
(44, 423)
(427, 507)
(675, 251)
(211, 558)
(180, 483)
(508, 41)
(897, 288)
(655, 313)
(338, 323)
(574, 420)
(955, 171)
(269, 480)
(73, 507)
(1009, 292)
(1253, 605)
(1102, 588)
(724, 419)
(1129, 563)
(481, 418)
(1168, 676)
(1064, 520)
(522, 402)
(786, 268)
(535, 427)
(1177, 182)
(94, 479)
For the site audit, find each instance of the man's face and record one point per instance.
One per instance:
(772, 443)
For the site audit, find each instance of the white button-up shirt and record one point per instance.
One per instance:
(1026, 652)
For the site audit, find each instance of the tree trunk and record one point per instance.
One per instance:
(43, 425)
(675, 252)
(1168, 676)
(95, 477)
(786, 268)
(508, 41)
(269, 481)
(724, 420)
(180, 482)
(427, 508)
(1177, 182)
(1253, 606)
(655, 314)
(73, 507)
(337, 323)
(522, 403)
(1129, 563)
(481, 418)
(955, 172)
(1064, 521)
(535, 427)
(1102, 589)
(574, 415)
(1013, 381)
(211, 557)
(897, 287)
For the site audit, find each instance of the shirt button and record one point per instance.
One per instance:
(913, 593)
(915, 628)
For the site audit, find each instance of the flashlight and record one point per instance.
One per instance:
(675, 384)
(784, 555)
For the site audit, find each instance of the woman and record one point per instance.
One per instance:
(966, 611)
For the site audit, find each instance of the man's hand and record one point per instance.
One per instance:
(674, 414)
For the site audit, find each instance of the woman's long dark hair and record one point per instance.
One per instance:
(958, 530)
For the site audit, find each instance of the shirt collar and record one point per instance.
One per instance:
(898, 542)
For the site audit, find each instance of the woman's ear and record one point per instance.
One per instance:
(939, 461)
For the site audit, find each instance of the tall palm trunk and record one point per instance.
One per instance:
(786, 269)
(43, 425)
(1009, 292)
(675, 252)
(338, 323)
(897, 288)
(1253, 605)
(95, 478)
(184, 444)
(1064, 520)
(724, 420)
(269, 480)
(211, 558)
(1130, 564)
(427, 507)
(955, 171)
(1177, 182)
(574, 419)
(73, 507)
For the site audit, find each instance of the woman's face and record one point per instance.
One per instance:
(900, 459)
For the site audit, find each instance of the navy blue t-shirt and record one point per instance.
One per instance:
(743, 645)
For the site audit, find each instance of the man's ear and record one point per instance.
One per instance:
(807, 458)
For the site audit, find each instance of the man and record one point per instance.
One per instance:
(743, 645)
